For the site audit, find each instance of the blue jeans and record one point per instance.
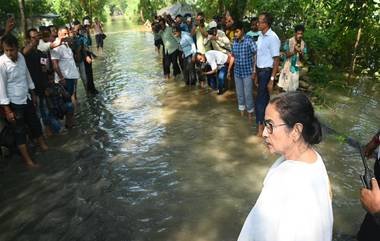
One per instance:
(42, 109)
(70, 85)
(244, 93)
(262, 99)
(48, 118)
(220, 77)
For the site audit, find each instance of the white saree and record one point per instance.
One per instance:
(294, 204)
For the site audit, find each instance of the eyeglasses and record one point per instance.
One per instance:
(269, 125)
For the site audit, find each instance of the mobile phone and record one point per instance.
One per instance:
(10, 15)
(43, 61)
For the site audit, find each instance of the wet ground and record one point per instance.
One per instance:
(151, 159)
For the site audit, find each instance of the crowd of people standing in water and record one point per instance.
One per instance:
(296, 200)
(222, 54)
(38, 81)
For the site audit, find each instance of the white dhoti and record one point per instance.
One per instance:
(289, 81)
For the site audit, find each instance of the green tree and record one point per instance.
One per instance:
(148, 8)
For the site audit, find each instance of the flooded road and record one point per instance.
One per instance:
(151, 159)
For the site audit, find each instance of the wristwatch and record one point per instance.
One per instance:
(272, 78)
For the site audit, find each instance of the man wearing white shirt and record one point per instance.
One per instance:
(17, 97)
(221, 66)
(66, 72)
(267, 61)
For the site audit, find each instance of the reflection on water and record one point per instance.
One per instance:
(150, 159)
(355, 113)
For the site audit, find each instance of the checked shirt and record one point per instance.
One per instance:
(243, 52)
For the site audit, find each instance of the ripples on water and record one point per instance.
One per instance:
(355, 113)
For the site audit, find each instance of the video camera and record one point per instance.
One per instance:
(213, 31)
(368, 173)
(201, 23)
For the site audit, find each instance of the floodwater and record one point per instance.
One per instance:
(151, 159)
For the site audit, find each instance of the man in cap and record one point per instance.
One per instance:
(217, 39)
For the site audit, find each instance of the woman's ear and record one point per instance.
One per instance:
(297, 132)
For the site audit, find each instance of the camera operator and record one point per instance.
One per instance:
(10, 24)
(169, 20)
(217, 39)
(370, 198)
(189, 23)
(199, 33)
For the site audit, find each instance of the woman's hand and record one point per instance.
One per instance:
(10, 25)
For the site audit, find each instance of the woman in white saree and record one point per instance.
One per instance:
(295, 202)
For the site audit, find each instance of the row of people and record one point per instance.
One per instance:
(245, 58)
(39, 81)
(288, 124)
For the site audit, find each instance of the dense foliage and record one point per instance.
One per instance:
(341, 34)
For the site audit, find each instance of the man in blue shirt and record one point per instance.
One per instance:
(243, 49)
(188, 48)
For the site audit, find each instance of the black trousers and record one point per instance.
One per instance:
(189, 71)
(26, 119)
(99, 40)
(171, 59)
(181, 59)
(370, 230)
(90, 77)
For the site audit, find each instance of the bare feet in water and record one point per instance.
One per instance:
(32, 164)
(42, 144)
(250, 116)
(260, 130)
